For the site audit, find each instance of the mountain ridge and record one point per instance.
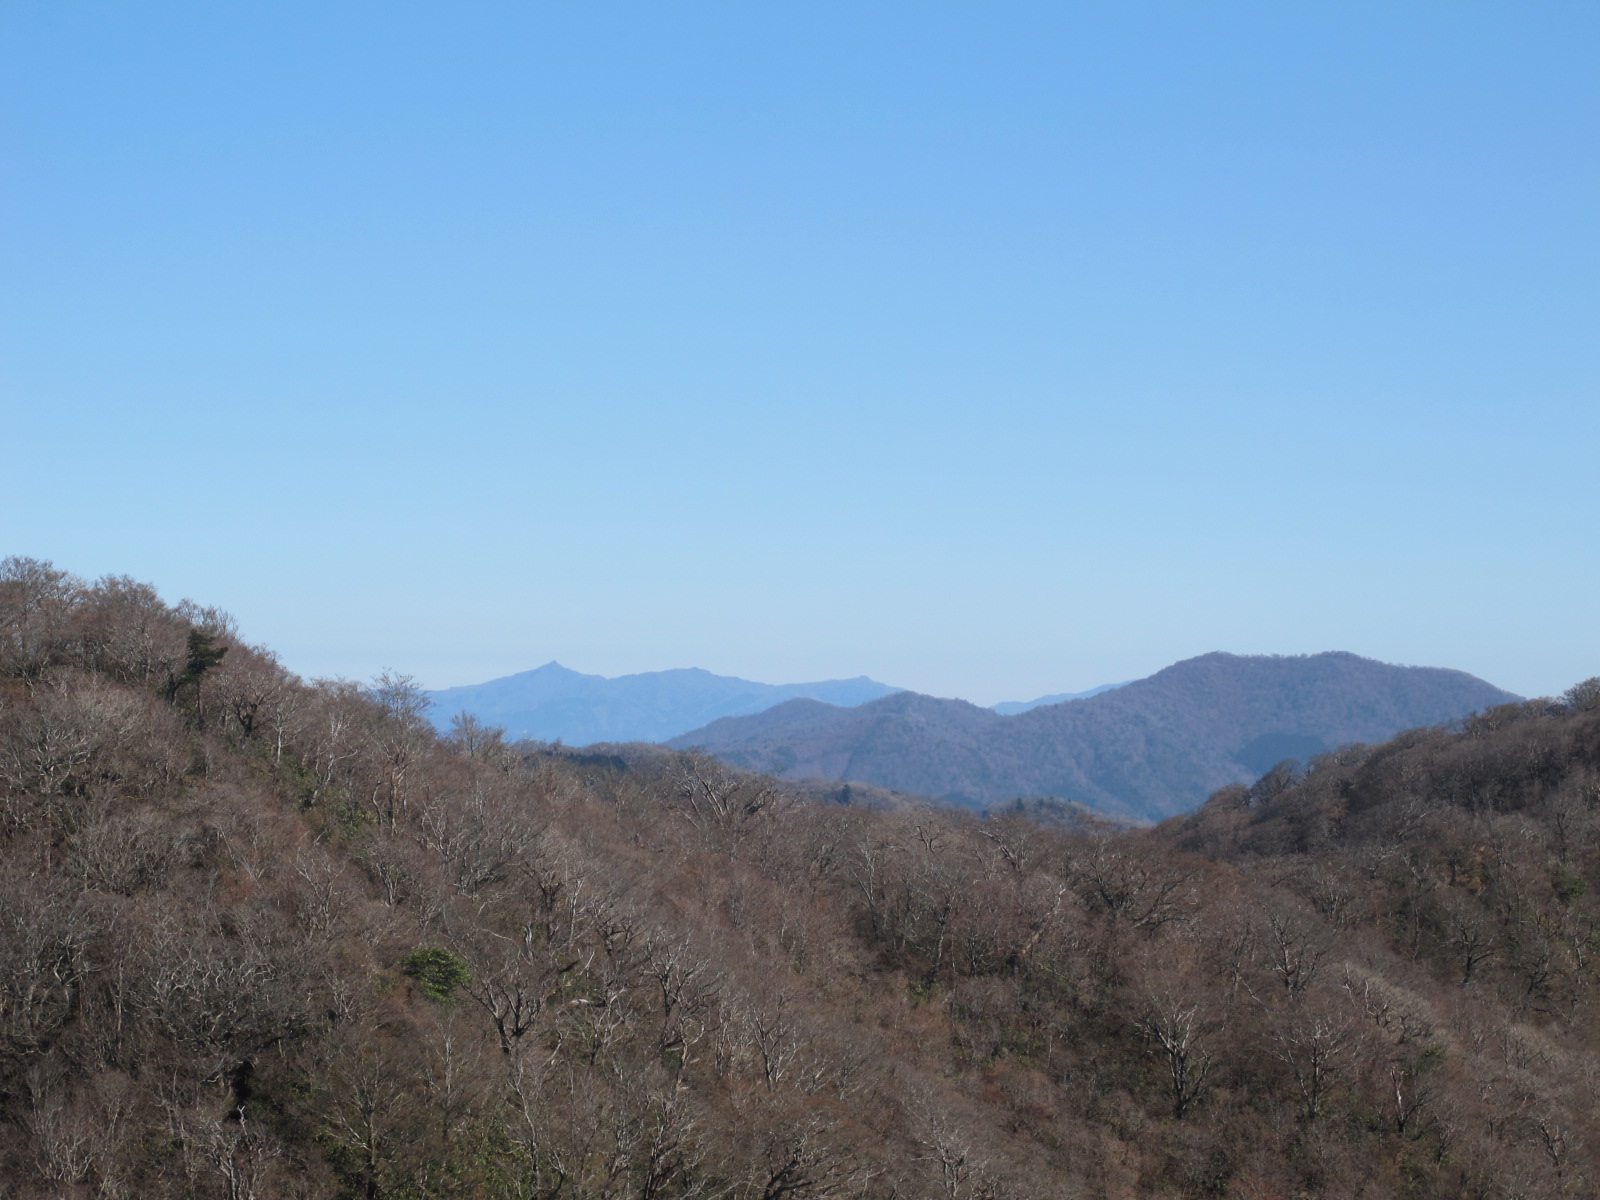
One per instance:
(555, 703)
(1149, 749)
(1009, 708)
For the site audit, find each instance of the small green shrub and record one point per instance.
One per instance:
(437, 972)
(1568, 885)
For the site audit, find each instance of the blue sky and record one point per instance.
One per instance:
(990, 350)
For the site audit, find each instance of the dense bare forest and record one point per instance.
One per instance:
(263, 938)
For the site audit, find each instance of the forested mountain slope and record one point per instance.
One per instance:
(1149, 749)
(266, 939)
(552, 703)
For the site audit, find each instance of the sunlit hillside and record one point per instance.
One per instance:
(267, 938)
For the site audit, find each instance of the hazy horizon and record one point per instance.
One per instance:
(1065, 694)
(988, 352)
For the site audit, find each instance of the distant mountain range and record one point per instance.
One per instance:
(1010, 708)
(1147, 749)
(552, 703)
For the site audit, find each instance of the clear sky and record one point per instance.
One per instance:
(990, 349)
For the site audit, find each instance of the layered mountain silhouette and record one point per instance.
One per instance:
(552, 703)
(1147, 750)
(1012, 707)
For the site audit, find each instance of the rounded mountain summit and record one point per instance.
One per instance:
(1147, 750)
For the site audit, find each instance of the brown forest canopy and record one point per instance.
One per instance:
(266, 938)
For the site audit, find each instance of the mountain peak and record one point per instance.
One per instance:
(1149, 749)
(552, 702)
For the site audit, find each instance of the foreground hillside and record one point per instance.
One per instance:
(266, 939)
(552, 703)
(1147, 749)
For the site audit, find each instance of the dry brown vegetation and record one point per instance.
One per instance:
(262, 938)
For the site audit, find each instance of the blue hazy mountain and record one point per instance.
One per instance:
(1010, 708)
(1148, 749)
(553, 703)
